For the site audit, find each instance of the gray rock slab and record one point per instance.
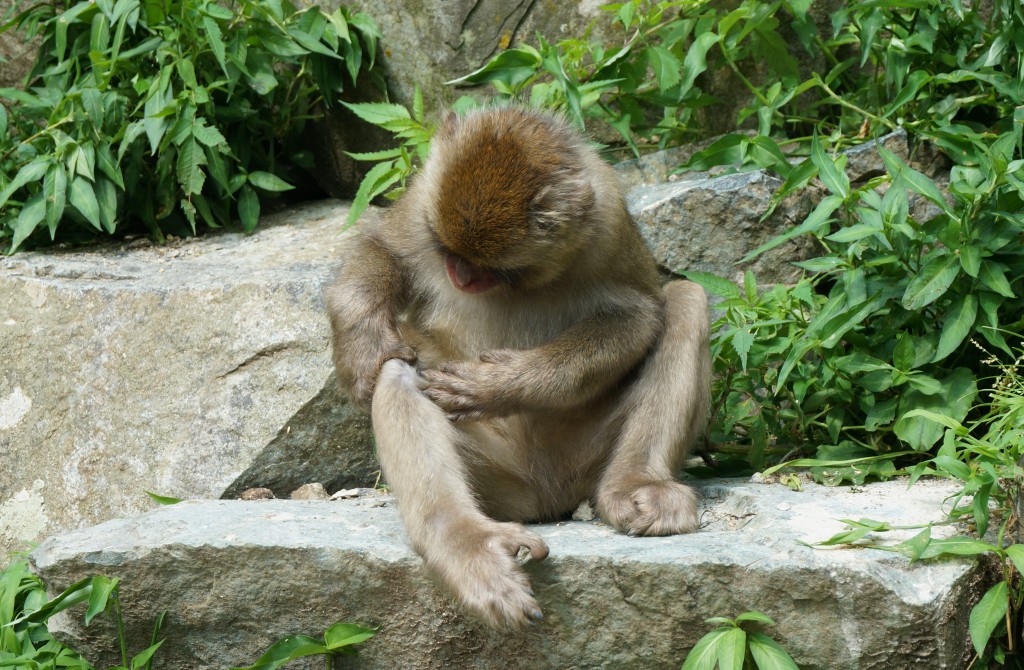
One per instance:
(189, 369)
(710, 224)
(235, 576)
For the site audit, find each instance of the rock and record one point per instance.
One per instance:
(196, 369)
(710, 224)
(257, 494)
(429, 42)
(314, 491)
(236, 576)
(584, 512)
(17, 54)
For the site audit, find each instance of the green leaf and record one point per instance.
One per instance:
(377, 180)
(29, 172)
(83, 198)
(512, 66)
(102, 588)
(714, 284)
(726, 150)
(915, 546)
(314, 45)
(970, 260)
(55, 185)
(191, 158)
(108, 165)
(378, 113)
(992, 275)
(956, 546)
(381, 155)
(756, 617)
(345, 634)
(141, 660)
(268, 182)
(30, 216)
(1015, 552)
(931, 281)
(769, 654)
(833, 176)
(696, 62)
(216, 41)
(665, 65)
(704, 654)
(248, 208)
(987, 614)
(163, 500)
(910, 178)
(732, 649)
(286, 650)
(106, 198)
(820, 216)
(958, 324)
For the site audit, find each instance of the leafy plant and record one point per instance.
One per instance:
(984, 458)
(851, 356)
(24, 612)
(731, 647)
(338, 639)
(168, 112)
(393, 165)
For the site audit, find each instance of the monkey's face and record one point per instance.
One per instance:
(510, 200)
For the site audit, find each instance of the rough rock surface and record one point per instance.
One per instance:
(694, 221)
(176, 369)
(429, 42)
(16, 53)
(235, 576)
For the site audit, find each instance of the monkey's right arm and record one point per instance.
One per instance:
(363, 301)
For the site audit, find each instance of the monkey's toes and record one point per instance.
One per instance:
(488, 581)
(664, 507)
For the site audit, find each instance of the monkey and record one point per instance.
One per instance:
(506, 327)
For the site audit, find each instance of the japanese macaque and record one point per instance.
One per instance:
(506, 326)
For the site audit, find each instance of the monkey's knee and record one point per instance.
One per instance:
(686, 299)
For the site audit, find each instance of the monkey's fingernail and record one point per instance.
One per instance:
(536, 615)
(633, 532)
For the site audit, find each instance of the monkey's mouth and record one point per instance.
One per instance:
(468, 277)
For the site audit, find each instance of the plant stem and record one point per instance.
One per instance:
(849, 105)
(120, 627)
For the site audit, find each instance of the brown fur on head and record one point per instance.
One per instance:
(510, 182)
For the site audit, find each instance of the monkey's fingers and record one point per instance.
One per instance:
(498, 356)
(518, 538)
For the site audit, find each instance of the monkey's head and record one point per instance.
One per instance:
(511, 197)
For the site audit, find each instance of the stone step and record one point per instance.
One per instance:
(235, 576)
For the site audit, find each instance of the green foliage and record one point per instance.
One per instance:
(171, 113)
(983, 456)
(884, 330)
(25, 641)
(338, 639)
(730, 647)
(393, 165)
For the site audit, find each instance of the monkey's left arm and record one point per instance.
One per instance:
(580, 364)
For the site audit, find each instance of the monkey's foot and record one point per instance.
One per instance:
(479, 566)
(664, 507)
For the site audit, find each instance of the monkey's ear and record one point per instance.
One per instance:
(448, 124)
(563, 202)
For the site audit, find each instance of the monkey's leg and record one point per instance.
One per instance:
(660, 416)
(474, 556)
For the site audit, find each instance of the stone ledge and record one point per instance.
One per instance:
(235, 576)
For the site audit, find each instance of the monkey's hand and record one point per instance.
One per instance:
(474, 390)
(364, 379)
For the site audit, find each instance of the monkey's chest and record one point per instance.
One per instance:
(461, 330)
